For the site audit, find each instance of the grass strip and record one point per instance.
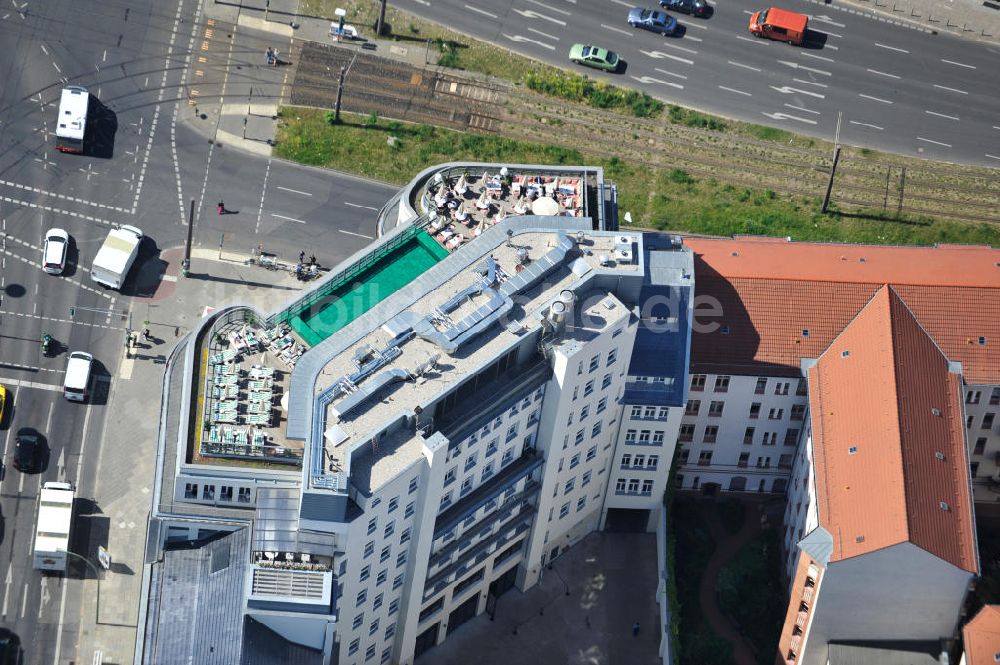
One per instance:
(664, 198)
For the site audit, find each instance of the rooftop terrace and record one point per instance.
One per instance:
(425, 347)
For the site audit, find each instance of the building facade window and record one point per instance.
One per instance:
(711, 432)
(722, 384)
(697, 382)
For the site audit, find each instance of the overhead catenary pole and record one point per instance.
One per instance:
(380, 26)
(186, 263)
(340, 94)
(833, 168)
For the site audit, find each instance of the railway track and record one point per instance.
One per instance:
(396, 90)
(393, 90)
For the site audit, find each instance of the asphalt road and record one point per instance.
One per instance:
(899, 89)
(142, 168)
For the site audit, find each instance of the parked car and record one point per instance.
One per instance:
(693, 7)
(26, 450)
(3, 399)
(652, 20)
(54, 251)
(594, 56)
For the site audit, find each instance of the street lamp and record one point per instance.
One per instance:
(97, 574)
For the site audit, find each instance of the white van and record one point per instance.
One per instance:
(77, 376)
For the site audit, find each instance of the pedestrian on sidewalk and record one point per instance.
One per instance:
(222, 207)
(302, 257)
(145, 334)
(635, 629)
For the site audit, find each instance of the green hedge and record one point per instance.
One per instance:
(599, 94)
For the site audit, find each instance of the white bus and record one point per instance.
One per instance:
(72, 122)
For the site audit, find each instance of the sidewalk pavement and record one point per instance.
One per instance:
(234, 94)
(127, 456)
(970, 19)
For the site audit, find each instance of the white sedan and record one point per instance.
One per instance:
(54, 252)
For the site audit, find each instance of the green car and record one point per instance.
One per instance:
(594, 56)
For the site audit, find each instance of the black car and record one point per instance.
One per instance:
(693, 7)
(26, 450)
(10, 645)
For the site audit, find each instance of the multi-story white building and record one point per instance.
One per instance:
(461, 431)
(457, 435)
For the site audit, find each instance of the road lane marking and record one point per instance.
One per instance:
(921, 138)
(817, 57)
(650, 79)
(801, 108)
(528, 13)
(785, 116)
(360, 235)
(875, 99)
(681, 48)
(674, 74)
(689, 25)
(944, 87)
(740, 64)
(795, 65)
(875, 71)
(866, 124)
(788, 90)
(630, 5)
(544, 34)
(942, 115)
(831, 47)
(551, 9)
(759, 42)
(290, 219)
(891, 48)
(358, 205)
(294, 191)
(618, 30)
(826, 19)
(661, 54)
(693, 38)
(992, 156)
(738, 92)
(816, 83)
(829, 34)
(480, 11)
(528, 40)
(958, 64)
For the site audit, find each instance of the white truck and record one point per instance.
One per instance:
(55, 519)
(116, 256)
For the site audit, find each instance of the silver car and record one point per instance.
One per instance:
(652, 20)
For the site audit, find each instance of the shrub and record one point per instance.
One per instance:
(371, 120)
(681, 177)
(330, 117)
(598, 94)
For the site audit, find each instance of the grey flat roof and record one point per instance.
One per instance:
(196, 600)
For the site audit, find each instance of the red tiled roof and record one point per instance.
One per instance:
(884, 389)
(982, 637)
(778, 302)
(778, 258)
